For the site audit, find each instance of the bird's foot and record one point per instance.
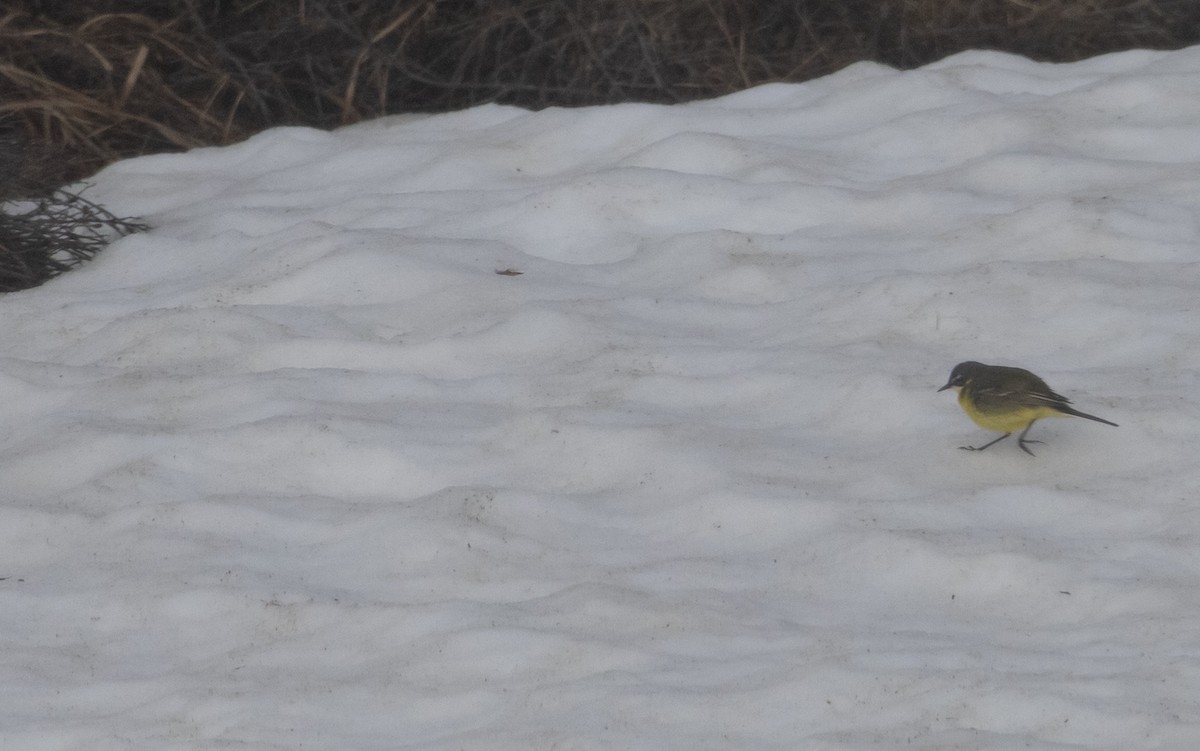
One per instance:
(1025, 448)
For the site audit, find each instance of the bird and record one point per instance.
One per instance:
(1006, 399)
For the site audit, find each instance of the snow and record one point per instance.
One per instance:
(299, 468)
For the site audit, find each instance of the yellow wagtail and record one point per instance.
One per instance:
(1007, 399)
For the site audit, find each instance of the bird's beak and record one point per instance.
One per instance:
(943, 388)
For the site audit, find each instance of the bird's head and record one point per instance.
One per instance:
(962, 374)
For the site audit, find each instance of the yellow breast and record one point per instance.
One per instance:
(1004, 420)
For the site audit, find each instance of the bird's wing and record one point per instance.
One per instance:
(989, 398)
(1045, 398)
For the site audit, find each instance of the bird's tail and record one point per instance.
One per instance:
(1072, 411)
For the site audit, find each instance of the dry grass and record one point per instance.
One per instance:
(102, 79)
(91, 81)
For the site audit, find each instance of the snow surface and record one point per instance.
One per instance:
(298, 468)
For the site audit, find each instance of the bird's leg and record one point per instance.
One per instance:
(1021, 440)
(989, 443)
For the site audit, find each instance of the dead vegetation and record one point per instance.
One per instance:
(102, 79)
(42, 238)
(91, 81)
